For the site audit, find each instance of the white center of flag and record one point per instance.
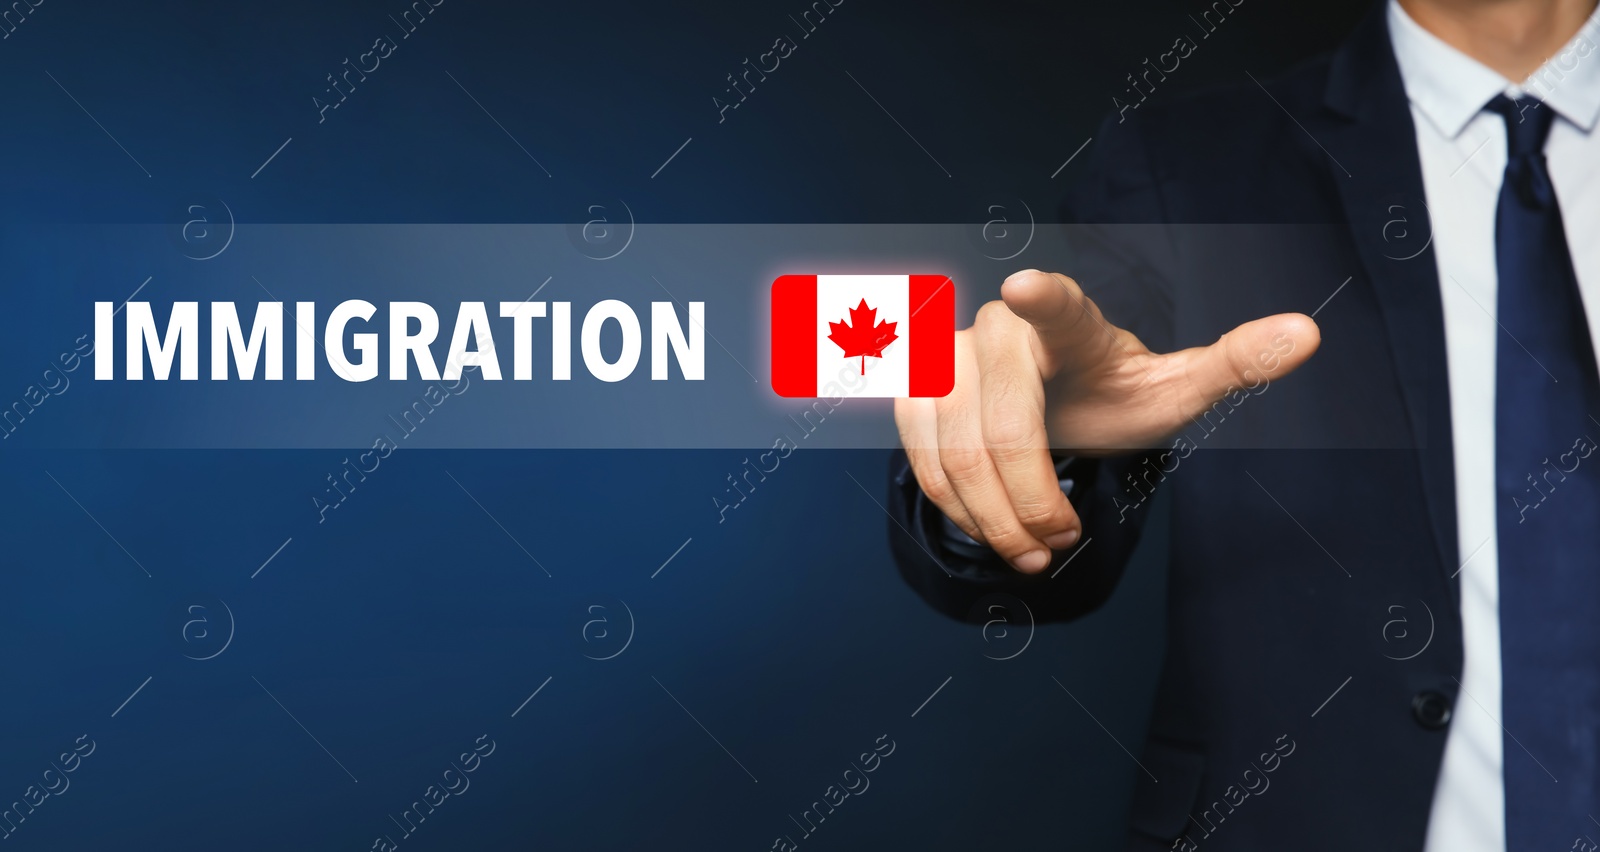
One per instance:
(838, 295)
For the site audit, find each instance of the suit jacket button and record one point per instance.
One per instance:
(1432, 709)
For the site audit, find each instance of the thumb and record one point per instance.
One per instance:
(1261, 350)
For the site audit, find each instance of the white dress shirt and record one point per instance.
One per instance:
(1463, 153)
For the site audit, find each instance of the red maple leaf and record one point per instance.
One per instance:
(860, 337)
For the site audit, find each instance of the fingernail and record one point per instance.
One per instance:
(1033, 560)
(1062, 540)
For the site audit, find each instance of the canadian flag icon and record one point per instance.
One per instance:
(863, 335)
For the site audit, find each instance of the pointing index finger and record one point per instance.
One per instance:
(1066, 321)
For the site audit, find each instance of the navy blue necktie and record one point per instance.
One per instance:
(1548, 496)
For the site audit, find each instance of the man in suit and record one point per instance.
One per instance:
(1384, 594)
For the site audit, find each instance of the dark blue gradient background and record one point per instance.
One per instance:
(411, 622)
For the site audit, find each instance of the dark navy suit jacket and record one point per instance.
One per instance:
(1313, 534)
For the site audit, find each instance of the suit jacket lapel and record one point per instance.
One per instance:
(1368, 129)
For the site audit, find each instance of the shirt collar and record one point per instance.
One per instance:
(1450, 87)
(1569, 82)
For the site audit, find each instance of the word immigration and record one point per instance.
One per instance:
(353, 353)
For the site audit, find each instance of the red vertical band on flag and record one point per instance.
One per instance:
(933, 335)
(794, 335)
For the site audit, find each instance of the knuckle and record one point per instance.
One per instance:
(1011, 429)
(1240, 360)
(1008, 539)
(1069, 284)
(937, 487)
(1083, 313)
(943, 496)
(963, 464)
(1044, 513)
